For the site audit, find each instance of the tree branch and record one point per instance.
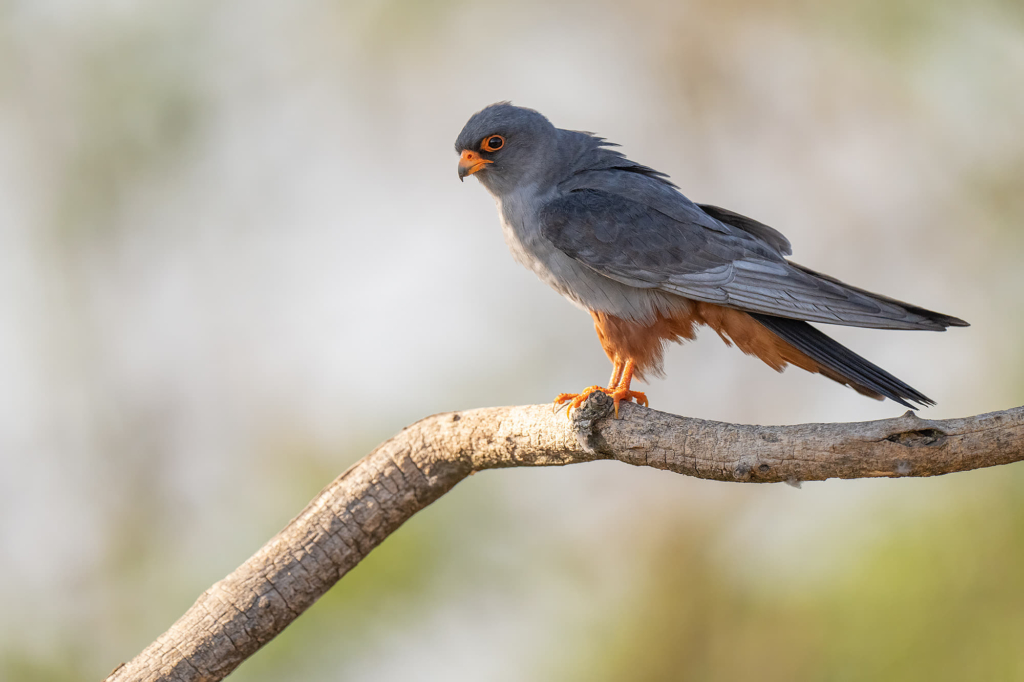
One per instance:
(234, 618)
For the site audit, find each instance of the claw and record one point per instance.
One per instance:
(576, 399)
(617, 395)
(618, 390)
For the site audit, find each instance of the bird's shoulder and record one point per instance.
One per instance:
(597, 170)
(624, 215)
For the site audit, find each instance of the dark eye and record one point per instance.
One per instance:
(493, 143)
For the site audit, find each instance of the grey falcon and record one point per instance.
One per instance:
(619, 240)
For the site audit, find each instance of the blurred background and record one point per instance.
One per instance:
(235, 256)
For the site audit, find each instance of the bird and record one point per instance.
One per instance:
(619, 240)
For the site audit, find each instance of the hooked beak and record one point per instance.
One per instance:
(470, 162)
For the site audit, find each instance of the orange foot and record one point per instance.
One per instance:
(617, 394)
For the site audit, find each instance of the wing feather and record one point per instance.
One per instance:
(652, 239)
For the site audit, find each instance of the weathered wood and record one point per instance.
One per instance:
(234, 618)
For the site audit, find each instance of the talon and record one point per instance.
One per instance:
(576, 399)
(624, 394)
(618, 390)
(618, 395)
(564, 398)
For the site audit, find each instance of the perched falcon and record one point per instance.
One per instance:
(619, 240)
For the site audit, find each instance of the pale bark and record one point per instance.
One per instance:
(234, 618)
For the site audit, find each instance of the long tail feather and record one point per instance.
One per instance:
(860, 373)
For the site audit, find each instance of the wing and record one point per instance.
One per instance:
(769, 235)
(678, 248)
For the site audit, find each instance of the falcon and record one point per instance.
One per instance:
(619, 240)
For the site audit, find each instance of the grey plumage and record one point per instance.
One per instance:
(690, 254)
(617, 237)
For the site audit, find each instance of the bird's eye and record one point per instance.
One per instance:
(493, 143)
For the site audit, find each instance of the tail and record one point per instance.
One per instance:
(841, 364)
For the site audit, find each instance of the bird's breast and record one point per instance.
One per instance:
(583, 286)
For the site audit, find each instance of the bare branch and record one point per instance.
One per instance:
(245, 610)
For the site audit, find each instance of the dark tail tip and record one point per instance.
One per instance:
(951, 321)
(864, 376)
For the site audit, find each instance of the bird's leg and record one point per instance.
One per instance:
(616, 373)
(617, 390)
(621, 391)
(576, 399)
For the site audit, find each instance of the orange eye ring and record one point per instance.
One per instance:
(492, 143)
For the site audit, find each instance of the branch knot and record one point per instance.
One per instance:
(597, 406)
(919, 438)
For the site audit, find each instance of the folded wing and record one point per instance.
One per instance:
(710, 254)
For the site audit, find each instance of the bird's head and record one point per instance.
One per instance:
(506, 147)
